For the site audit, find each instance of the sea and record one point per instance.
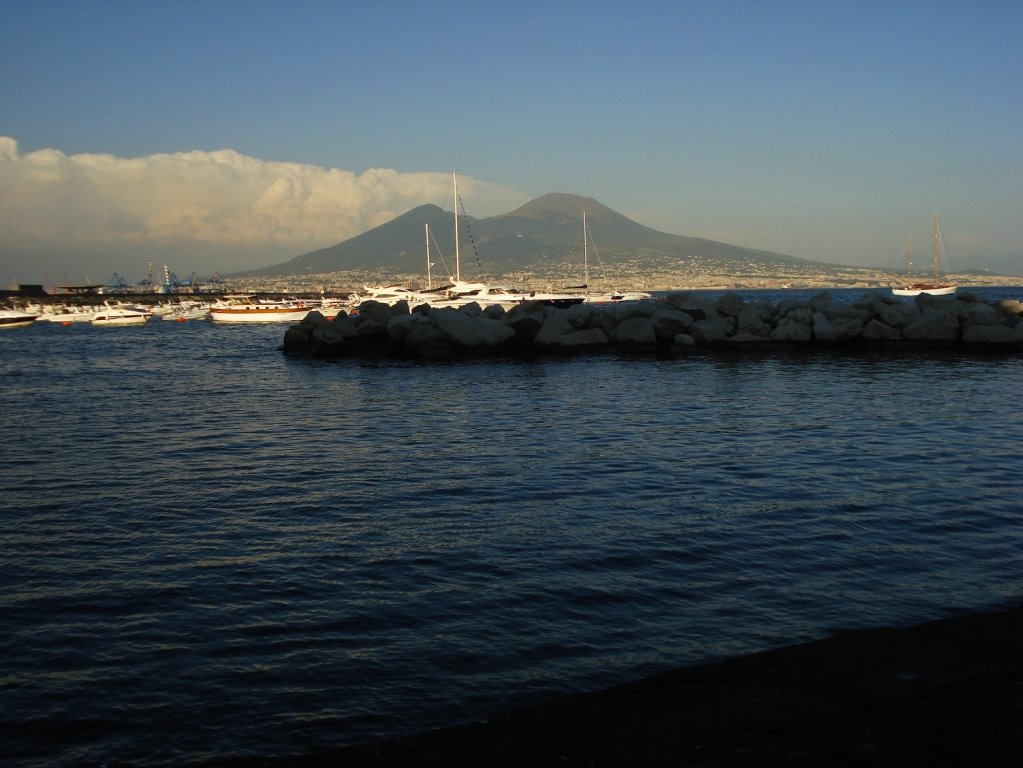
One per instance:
(214, 552)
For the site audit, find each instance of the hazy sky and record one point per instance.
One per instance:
(221, 135)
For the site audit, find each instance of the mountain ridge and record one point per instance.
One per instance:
(543, 232)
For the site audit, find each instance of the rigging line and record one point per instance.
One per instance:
(440, 254)
(596, 252)
(468, 229)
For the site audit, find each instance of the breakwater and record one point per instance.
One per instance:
(670, 325)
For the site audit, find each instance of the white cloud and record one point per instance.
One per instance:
(52, 200)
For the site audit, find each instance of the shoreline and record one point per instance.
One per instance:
(947, 692)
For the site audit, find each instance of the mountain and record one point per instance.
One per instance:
(543, 232)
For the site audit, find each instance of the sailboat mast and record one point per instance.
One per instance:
(429, 281)
(934, 257)
(909, 260)
(458, 264)
(586, 262)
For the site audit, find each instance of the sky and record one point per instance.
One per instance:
(222, 135)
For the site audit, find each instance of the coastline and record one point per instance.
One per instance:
(947, 692)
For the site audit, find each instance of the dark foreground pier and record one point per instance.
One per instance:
(945, 693)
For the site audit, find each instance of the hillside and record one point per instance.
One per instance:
(543, 232)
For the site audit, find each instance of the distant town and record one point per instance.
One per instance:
(564, 277)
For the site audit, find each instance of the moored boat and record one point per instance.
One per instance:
(16, 318)
(934, 287)
(243, 308)
(120, 314)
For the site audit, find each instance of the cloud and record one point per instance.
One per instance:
(49, 199)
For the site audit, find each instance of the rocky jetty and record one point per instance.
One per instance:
(671, 325)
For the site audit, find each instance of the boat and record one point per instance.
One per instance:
(66, 314)
(459, 293)
(187, 311)
(244, 308)
(934, 287)
(16, 318)
(120, 314)
(603, 297)
(392, 294)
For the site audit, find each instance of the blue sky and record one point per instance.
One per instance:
(224, 135)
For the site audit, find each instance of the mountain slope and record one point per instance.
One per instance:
(544, 231)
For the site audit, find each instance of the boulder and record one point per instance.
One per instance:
(730, 305)
(936, 323)
(668, 323)
(377, 311)
(898, 315)
(554, 326)
(875, 330)
(635, 332)
(709, 331)
(473, 331)
(582, 339)
(841, 330)
(993, 334)
(789, 329)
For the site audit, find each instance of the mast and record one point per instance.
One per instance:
(458, 266)
(429, 281)
(909, 260)
(934, 257)
(586, 263)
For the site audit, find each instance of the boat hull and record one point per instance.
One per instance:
(102, 319)
(16, 319)
(935, 290)
(258, 314)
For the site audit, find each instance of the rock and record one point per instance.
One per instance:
(296, 339)
(789, 329)
(709, 331)
(555, 326)
(730, 304)
(898, 315)
(472, 330)
(635, 332)
(668, 323)
(582, 339)
(426, 340)
(875, 330)
(993, 334)
(936, 323)
(379, 312)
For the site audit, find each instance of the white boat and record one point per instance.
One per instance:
(16, 318)
(459, 294)
(120, 314)
(243, 308)
(191, 311)
(67, 313)
(934, 287)
(392, 294)
(603, 297)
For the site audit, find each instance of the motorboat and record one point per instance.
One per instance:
(244, 308)
(120, 314)
(66, 313)
(16, 318)
(459, 294)
(392, 294)
(194, 310)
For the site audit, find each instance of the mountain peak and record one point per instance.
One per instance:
(560, 203)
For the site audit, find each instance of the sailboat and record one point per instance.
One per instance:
(605, 296)
(459, 292)
(934, 287)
